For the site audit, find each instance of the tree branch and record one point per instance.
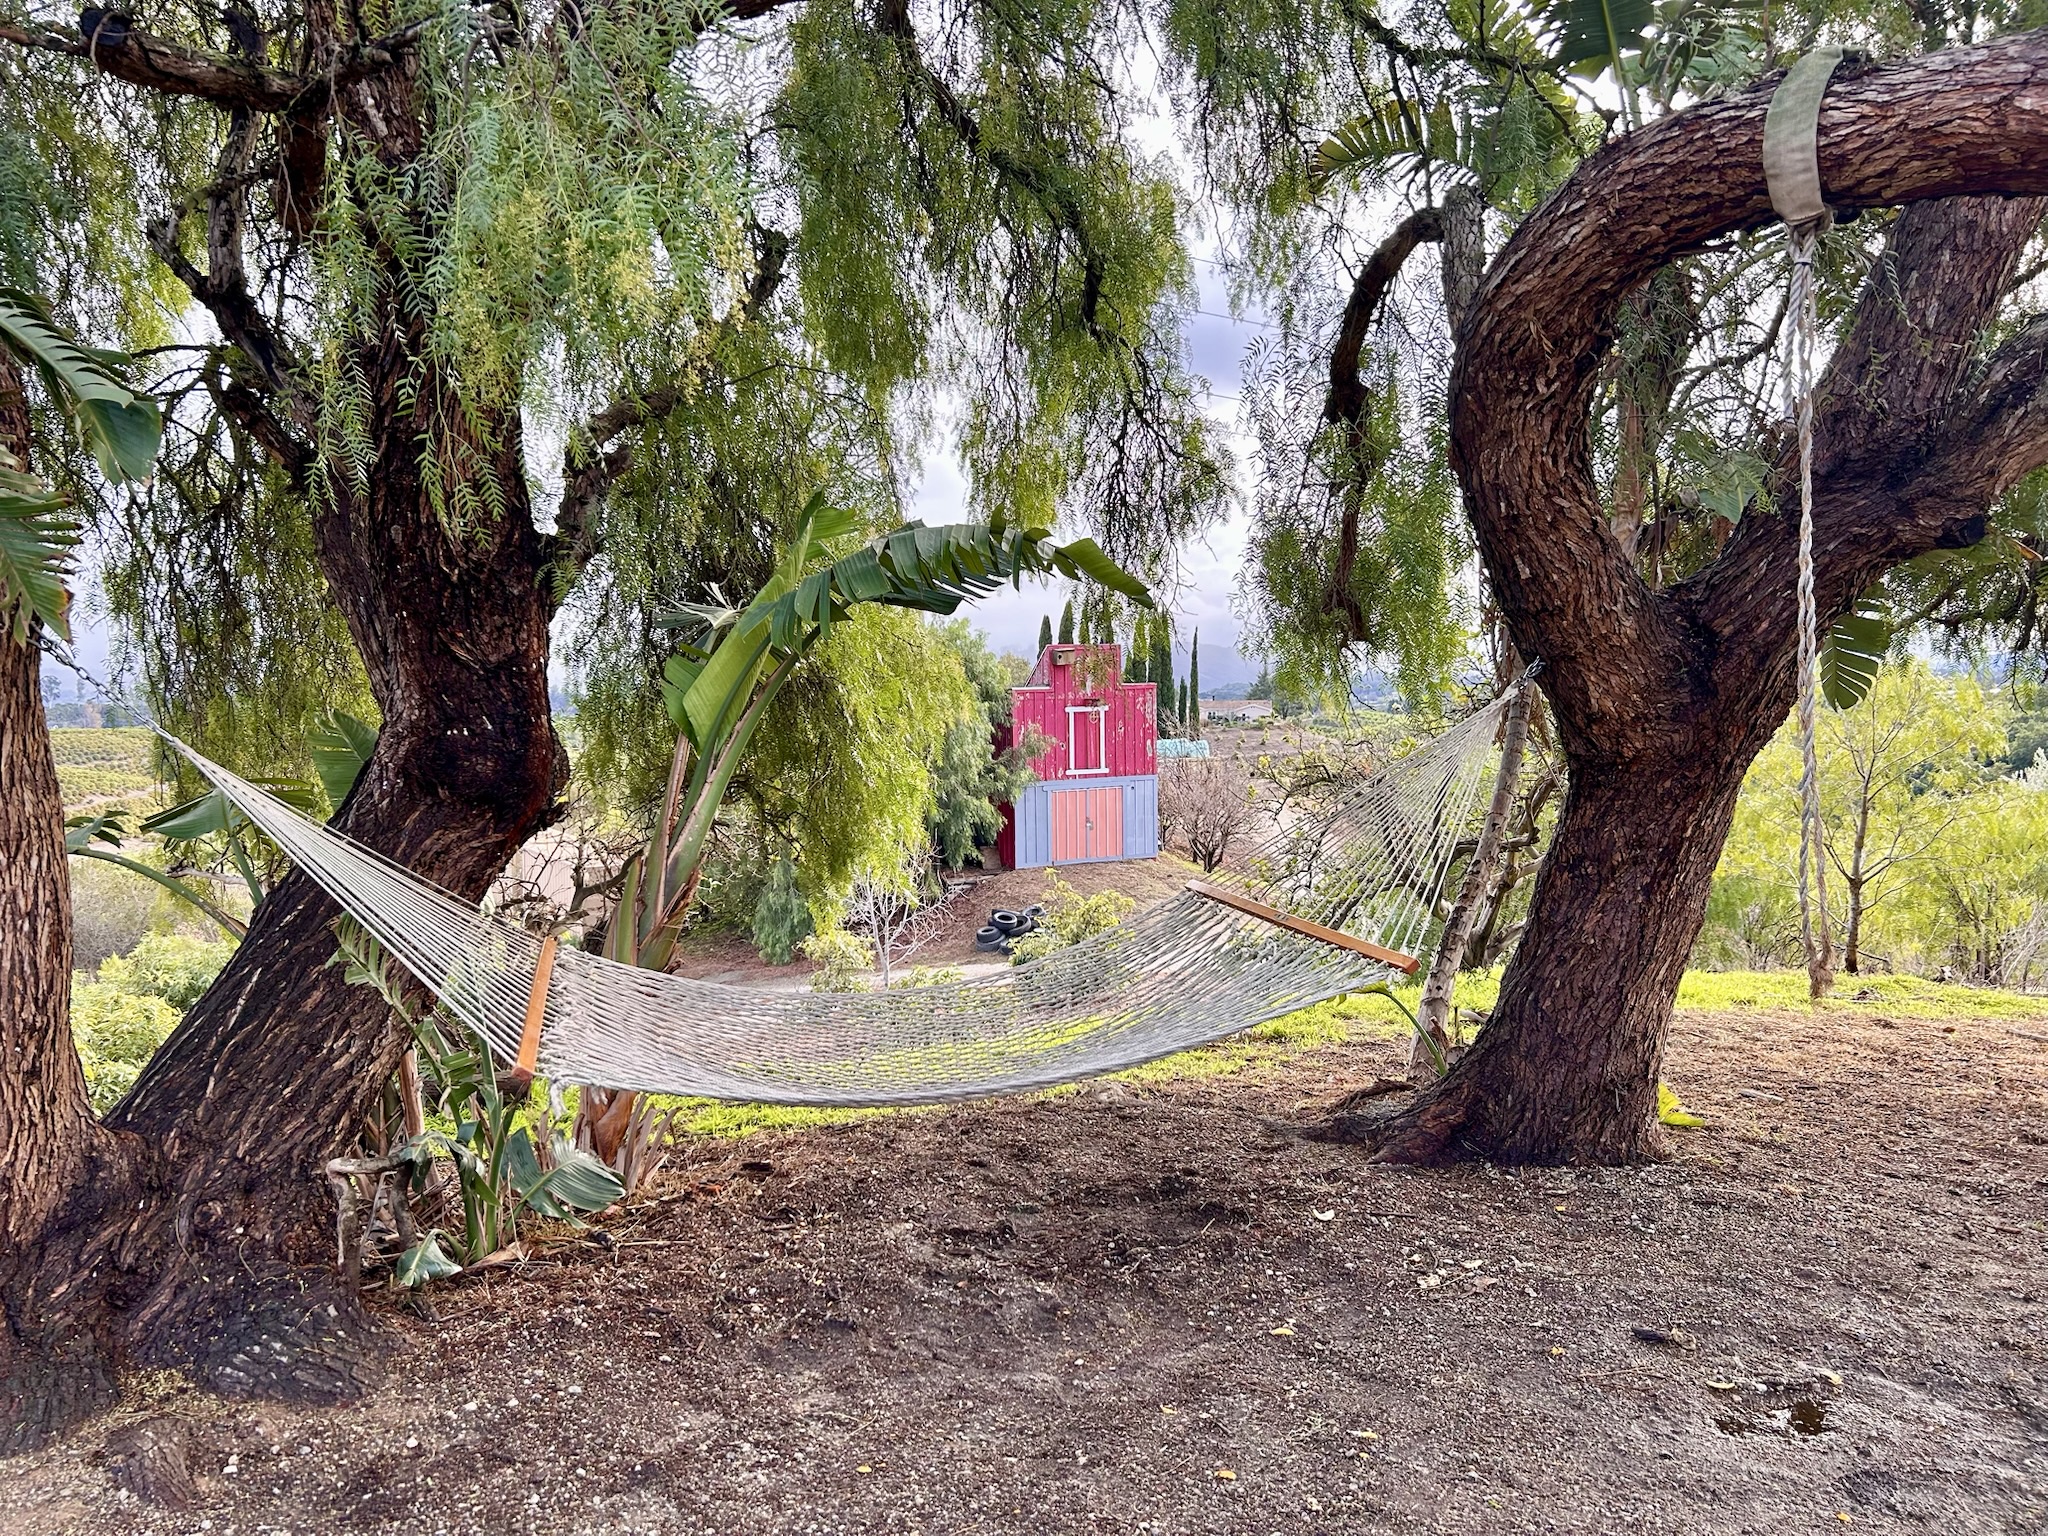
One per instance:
(1905, 418)
(1626, 666)
(1056, 201)
(597, 458)
(223, 290)
(1348, 396)
(125, 52)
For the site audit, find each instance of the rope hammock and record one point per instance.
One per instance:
(1792, 174)
(1337, 900)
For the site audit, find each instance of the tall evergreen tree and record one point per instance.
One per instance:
(1193, 713)
(1044, 632)
(1067, 623)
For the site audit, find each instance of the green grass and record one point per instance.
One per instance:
(1900, 996)
(1370, 1017)
(1734, 991)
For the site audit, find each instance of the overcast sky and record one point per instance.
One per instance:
(1216, 348)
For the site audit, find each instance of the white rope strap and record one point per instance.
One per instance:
(1792, 172)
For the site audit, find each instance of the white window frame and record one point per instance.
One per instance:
(1101, 714)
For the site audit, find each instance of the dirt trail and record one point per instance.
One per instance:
(1159, 1309)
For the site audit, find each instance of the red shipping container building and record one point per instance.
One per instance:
(1097, 795)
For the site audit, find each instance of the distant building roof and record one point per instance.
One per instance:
(1249, 709)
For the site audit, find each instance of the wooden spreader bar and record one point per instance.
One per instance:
(1408, 965)
(536, 1010)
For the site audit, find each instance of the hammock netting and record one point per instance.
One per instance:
(1370, 862)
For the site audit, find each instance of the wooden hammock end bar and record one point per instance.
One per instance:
(536, 1010)
(1408, 965)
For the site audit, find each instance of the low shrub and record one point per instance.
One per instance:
(117, 1032)
(172, 966)
(843, 961)
(1071, 917)
(782, 917)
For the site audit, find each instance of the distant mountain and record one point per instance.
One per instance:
(1223, 671)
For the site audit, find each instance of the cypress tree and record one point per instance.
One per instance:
(1183, 706)
(1067, 623)
(1193, 712)
(1044, 632)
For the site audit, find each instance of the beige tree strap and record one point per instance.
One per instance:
(1792, 139)
(1792, 172)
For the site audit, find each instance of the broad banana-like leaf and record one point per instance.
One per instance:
(577, 1182)
(84, 834)
(823, 525)
(341, 746)
(1730, 481)
(213, 812)
(1852, 652)
(37, 536)
(121, 427)
(678, 675)
(422, 1262)
(720, 692)
(1588, 36)
(81, 832)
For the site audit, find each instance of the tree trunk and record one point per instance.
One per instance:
(1855, 880)
(51, 1146)
(1852, 934)
(1434, 1016)
(1566, 1069)
(1663, 697)
(222, 1260)
(276, 1068)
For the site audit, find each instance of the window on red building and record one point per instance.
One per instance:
(1087, 738)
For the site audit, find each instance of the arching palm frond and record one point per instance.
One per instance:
(121, 427)
(1852, 652)
(1390, 136)
(37, 532)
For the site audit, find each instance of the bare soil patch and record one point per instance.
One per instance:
(1159, 1308)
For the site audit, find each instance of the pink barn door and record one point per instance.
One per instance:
(1087, 824)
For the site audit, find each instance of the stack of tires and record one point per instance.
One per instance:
(1004, 926)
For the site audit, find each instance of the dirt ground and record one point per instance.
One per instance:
(1160, 1309)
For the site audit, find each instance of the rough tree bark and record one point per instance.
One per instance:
(1662, 698)
(50, 1141)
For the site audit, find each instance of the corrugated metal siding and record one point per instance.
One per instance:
(1051, 822)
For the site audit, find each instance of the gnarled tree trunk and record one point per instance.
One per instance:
(50, 1142)
(1663, 698)
(194, 1229)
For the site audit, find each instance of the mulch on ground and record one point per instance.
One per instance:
(1159, 1308)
